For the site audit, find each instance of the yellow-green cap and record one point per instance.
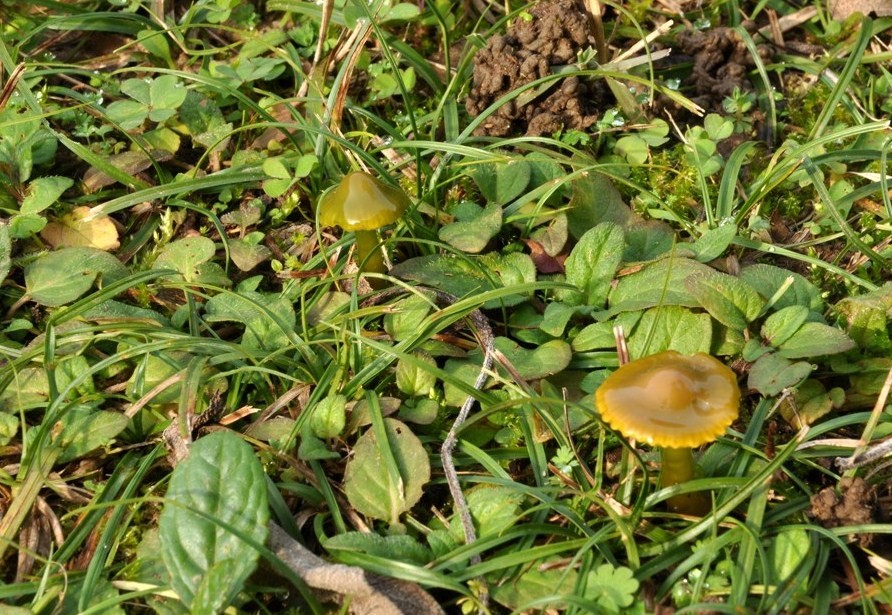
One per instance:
(361, 203)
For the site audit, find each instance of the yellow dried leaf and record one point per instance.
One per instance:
(74, 230)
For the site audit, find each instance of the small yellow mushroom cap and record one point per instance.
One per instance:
(670, 400)
(361, 203)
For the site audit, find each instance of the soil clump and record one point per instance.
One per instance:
(529, 49)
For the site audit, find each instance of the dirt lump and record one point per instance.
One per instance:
(854, 504)
(553, 34)
(720, 64)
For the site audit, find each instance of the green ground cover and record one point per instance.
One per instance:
(213, 389)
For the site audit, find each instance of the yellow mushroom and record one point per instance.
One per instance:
(362, 204)
(676, 402)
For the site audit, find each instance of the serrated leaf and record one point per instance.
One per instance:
(44, 192)
(729, 300)
(781, 325)
(771, 374)
(371, 490)
(62, 276)
(472, 231)
(221, 483)
(502, 182)
(592, 264)
(74, 230)
(713, 243)
(670, 327)
(547, 359)
(815, 339)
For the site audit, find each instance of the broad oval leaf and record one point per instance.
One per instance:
(778, 327)
(729, 300)
(670, 327)
(215, 505)
(368, 485)
(62, 276)
(592, 264)
(185, 256)
(771, 374)
(549, 358)
(473, 228)
(79, 229)
(815, 339)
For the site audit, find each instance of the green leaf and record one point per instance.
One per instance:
(420, 411)
(60, 277)
(729, 300)
(494, 509)
(246, 255)
(469, 276)
(404, 318)
(25, 226)
(670, 327)
(138, 89)
(810, 402)
(545, 360)
(398, 548)
(413, 378)
(611, 587)
(718, 127)
(535, 584)
(216, 503)
(595, 200)
(128, 114)
(9, 427)
(329, 416)
(185, 256)
(473, 228)
(815, 339)
(268, 319)
(167, 93)
(660, 283)
(781, 325)
(713, 243)
(771, 374)
(502, 182)
(592, 264)
(786, 551)
(868, 316)
(633, 148)
(370, 489)
(556, 317)
(44, 192)
(5, 251)
(595, 336)
(768, 280)
(85, 429)
(647, 241)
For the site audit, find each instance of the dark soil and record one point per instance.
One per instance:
(720, 64)
(854, 504)
(558, 30)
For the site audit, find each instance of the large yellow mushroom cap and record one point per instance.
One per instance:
(671, 400)
(361, 203)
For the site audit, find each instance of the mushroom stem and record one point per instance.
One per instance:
(678, 467)
(368, 254)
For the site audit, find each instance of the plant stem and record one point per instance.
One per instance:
(677, 468)
(369, 256)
